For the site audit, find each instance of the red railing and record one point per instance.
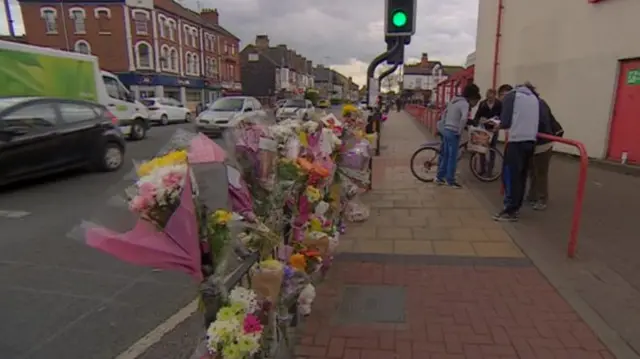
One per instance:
(419, 112)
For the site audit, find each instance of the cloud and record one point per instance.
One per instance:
(344, 34)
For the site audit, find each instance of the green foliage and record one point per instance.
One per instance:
(29, 74)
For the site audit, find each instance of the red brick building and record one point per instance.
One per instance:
(157, 47)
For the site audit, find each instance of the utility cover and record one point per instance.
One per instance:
(369, 304)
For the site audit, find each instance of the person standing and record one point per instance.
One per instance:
(503, 90)
(451, 125)
(488, 108)
(521, 116)
(539, 167)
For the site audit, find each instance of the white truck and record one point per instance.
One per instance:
(31, 71)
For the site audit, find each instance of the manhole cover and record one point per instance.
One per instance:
(362, 304)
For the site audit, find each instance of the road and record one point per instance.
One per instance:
(60, 299)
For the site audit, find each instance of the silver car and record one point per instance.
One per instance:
(295, 108)
(226, 112)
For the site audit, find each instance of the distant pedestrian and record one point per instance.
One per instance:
(539, 167)
(451, 125)
(488, 109)
(521, 116)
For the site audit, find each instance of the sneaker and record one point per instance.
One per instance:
(505, 217)
(455, 185)
(539, 206)
(439, 182)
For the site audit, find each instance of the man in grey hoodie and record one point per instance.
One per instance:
(522, 115)
(451, 125)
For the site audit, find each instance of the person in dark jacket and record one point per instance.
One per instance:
(522, 114)
(539, 167)
(503, 90)
(487, 109)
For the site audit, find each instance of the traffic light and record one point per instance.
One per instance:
(400, 17)
(396, 58)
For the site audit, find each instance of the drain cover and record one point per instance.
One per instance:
(366, 304)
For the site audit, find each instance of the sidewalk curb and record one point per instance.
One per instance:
(609, 337)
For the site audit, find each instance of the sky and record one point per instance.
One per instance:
(345, 35)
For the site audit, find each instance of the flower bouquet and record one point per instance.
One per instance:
(266, 280)
(237, 332)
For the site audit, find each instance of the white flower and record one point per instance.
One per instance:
(245, 297)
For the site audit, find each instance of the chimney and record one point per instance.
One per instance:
(262, 41)
(310, 66)
(425, 59)
(210, 16)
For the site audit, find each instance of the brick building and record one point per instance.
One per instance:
(157, 47)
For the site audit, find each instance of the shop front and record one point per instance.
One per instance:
(187, 90)
(231, 89)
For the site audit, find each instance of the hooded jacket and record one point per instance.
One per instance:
(520, 114)
(455, 116)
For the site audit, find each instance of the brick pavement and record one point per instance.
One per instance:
(429, 276)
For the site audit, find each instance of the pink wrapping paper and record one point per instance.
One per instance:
(175, 248)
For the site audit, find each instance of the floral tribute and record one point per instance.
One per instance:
(275, 203)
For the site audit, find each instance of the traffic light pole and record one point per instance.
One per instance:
(386, 73)
(371, 70)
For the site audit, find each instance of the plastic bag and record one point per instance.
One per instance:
(479, 139)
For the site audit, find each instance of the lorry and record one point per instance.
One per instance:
(32, 71)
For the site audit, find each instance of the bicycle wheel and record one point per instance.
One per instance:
(424, 163)
(481, 168)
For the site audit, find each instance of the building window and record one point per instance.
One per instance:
(77, 15)
(50, 17)
(162, 24)
(196, 65)
(233, 50)
(254, 57)
(144, 55)
(82, 47)
(141, 22)
(194, 37)
(165, 58)
(188, 64)
(232, 72)
(214, 47)
(171, 29)
(174, 59)
(103, 15)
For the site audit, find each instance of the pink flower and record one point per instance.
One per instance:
(140, 204)
(172, 180)
(252, 324)
(147, 189)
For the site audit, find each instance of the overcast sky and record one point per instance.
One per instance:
(344, 34)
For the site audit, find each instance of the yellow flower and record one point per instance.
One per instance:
(315, 225)
(313, 194)
(349, 110)
(170, 159)
(221, 217)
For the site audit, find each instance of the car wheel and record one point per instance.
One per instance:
(187, 117)
(112, 157)
(164, 120)
(138, 130)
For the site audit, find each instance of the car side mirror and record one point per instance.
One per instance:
(248, 109)
(181, 105)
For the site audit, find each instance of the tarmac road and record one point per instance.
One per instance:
(60, 299)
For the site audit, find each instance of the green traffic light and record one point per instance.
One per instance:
(399, 18)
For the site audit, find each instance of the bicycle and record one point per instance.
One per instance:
(426, 170)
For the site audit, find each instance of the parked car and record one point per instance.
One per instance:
(301, 109)
(40, 135)
(279, 103)
(226, 112)
(166, 110)
(324, 104)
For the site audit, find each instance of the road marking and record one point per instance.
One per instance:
(155, 336)
(13, 214)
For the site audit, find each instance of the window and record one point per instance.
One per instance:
(50, 18)
(174, 60)
(165, 59)
(254, 57)
(188, 64)
(114, 89)
(31, 118)
(74, 113)
(77, 15)
(162, 23)
(171, 29)
(141, 22)
(103, 15)
(233, 49)
(82, 47)
(232, 72)
(144, 55)
(196, 65)
(194, 37)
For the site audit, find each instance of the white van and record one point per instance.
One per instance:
(32, 71)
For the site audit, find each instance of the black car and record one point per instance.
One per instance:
(39, 136)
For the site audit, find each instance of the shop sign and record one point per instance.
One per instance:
(633, 77)
(184, 82)
(146, 80)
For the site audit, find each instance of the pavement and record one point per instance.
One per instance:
(58, 297)
(430, 276)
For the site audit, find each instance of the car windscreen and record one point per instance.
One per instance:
(227, 105)
(148, 102)
(295, 104)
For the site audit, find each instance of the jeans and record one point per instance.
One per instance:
(517, 157)
(448, 156)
